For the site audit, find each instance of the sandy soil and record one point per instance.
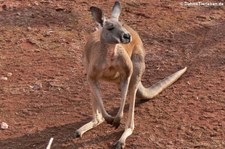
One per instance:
(44, 93)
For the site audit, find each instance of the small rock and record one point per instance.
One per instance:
(36, 50)
(46, 1)
(18, 14)
(36, 3)
(9, 74)
(201, 17)
(49, 32)
(59, 8)
(36, 86)
(4, 126)
(62, 40)
(32, 41)
(4, 78)
(29, 28)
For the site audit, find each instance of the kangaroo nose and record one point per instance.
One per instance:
(126, 36)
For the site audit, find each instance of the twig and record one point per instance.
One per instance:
(49, 143)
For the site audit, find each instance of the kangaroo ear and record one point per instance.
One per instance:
(97, 14)
(116, 10)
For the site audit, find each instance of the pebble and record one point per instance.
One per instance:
(29, 28)
(59, 8)
(36, 3)
(9, 74)
(18, 14)
(4, 78)
(36, 86)
(4, 126)
(49, 32)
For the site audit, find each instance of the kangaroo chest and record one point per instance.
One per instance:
(111, 66)
(111, 69)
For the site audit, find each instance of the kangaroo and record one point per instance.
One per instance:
(115, 53)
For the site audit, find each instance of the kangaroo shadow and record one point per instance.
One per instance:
(62, 135)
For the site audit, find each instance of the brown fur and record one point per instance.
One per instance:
(109, 59)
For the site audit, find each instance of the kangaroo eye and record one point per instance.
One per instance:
(110, 28)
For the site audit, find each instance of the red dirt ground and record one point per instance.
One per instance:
(46, 93)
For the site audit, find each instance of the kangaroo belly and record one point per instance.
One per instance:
(111, 74)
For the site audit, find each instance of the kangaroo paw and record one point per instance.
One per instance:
(119, 145)
(116, 122)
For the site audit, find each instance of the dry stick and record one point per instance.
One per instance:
(49, 143)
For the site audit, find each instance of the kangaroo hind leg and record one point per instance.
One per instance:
(96, 120)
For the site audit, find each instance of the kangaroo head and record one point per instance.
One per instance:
(112, 30)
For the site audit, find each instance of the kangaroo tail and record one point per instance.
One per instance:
(148, 93)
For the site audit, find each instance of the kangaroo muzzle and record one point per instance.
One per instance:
(125, 38)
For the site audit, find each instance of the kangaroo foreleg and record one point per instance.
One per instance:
(124, 89)
(96, 92)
